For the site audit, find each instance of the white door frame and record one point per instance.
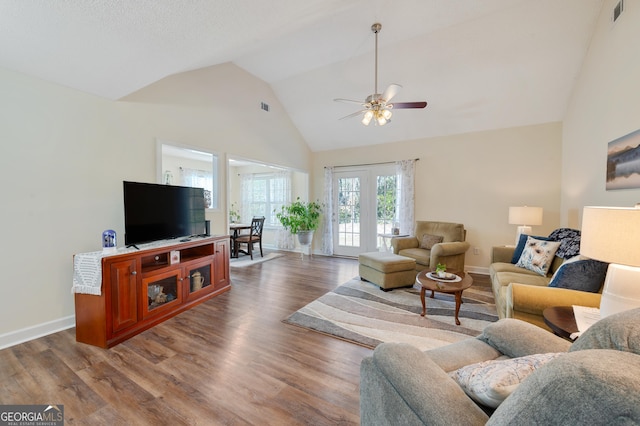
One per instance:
(368, 234)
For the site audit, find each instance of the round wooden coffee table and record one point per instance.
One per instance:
(561, 320)
(443, 286)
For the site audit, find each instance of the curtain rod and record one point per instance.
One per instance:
(369, 164)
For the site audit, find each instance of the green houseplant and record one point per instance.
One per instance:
(234, 213)
(300, 216)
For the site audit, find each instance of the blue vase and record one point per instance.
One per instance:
(109, 240)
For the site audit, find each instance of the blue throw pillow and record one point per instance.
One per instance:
(582, 274)
(521, 243)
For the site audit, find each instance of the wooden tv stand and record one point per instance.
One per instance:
(143, 288)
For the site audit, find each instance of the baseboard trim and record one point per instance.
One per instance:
(29, 333)
(477, 269)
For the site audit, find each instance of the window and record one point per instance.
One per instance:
(264, 194)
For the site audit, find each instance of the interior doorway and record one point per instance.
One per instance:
(256, 188)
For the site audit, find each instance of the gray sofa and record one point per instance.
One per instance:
(597, 380)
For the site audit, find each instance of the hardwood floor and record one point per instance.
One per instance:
(229, 360)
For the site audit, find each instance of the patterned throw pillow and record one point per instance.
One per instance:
(522, 242)
(428, 241)
(569, 242)
(491, 382)
(538, 255)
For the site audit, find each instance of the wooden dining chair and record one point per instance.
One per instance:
(254, 236)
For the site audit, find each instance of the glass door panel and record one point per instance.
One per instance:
(199, 278)
(386, 191)
(349, 212)
(160, 290)
(348, 202)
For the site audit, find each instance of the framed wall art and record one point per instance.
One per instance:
(623, 162)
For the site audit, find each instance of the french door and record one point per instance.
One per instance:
(364, 204)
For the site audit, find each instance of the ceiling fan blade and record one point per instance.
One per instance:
(353, 114)
(390, 92)
(351, 101)
(407, 105)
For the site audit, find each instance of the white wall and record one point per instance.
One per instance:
(605, 105)
(473, 179)
(64, 157)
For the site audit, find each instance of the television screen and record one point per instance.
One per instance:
(157, 212)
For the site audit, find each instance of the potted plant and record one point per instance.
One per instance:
(301, 218)
(441, 270)
(234, 214)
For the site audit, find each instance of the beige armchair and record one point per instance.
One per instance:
(450, 251)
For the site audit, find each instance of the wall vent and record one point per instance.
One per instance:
(264, 106)
(617, 11)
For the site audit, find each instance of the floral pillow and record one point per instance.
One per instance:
(491, 382)
(537, 255)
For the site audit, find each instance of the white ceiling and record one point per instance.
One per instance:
(480, 64)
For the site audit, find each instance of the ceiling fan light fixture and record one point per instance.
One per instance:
(366, 119)
(378, 106)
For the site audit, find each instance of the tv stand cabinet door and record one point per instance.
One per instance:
(221, 263)
(123, 278)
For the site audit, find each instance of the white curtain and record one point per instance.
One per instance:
(282, 189)
(327, 221)
(405, 170)
(198, 179)
(246, 180)
(284, 239)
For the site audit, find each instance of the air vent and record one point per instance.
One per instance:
(264, 106)
(617, 11)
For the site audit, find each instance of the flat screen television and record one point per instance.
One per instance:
(158, 212)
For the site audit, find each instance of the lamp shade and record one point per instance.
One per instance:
(611, 234)
(525, 215)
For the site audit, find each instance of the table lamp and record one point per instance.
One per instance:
(524, 216)
(612, 234)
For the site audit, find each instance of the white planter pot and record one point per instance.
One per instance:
(305, 237)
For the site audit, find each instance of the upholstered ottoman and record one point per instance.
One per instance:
(387, 270)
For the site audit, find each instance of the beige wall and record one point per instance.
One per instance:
(473, 179)
(64, 157)
(605, 106)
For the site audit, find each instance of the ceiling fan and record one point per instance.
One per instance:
(378, 106)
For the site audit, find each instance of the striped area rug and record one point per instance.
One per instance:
(360, 312)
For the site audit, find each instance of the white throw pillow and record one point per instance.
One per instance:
(491, 382)
(538, 255)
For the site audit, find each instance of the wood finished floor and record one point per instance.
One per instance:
(228, 361)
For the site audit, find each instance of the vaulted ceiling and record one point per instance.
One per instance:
(479, 64)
